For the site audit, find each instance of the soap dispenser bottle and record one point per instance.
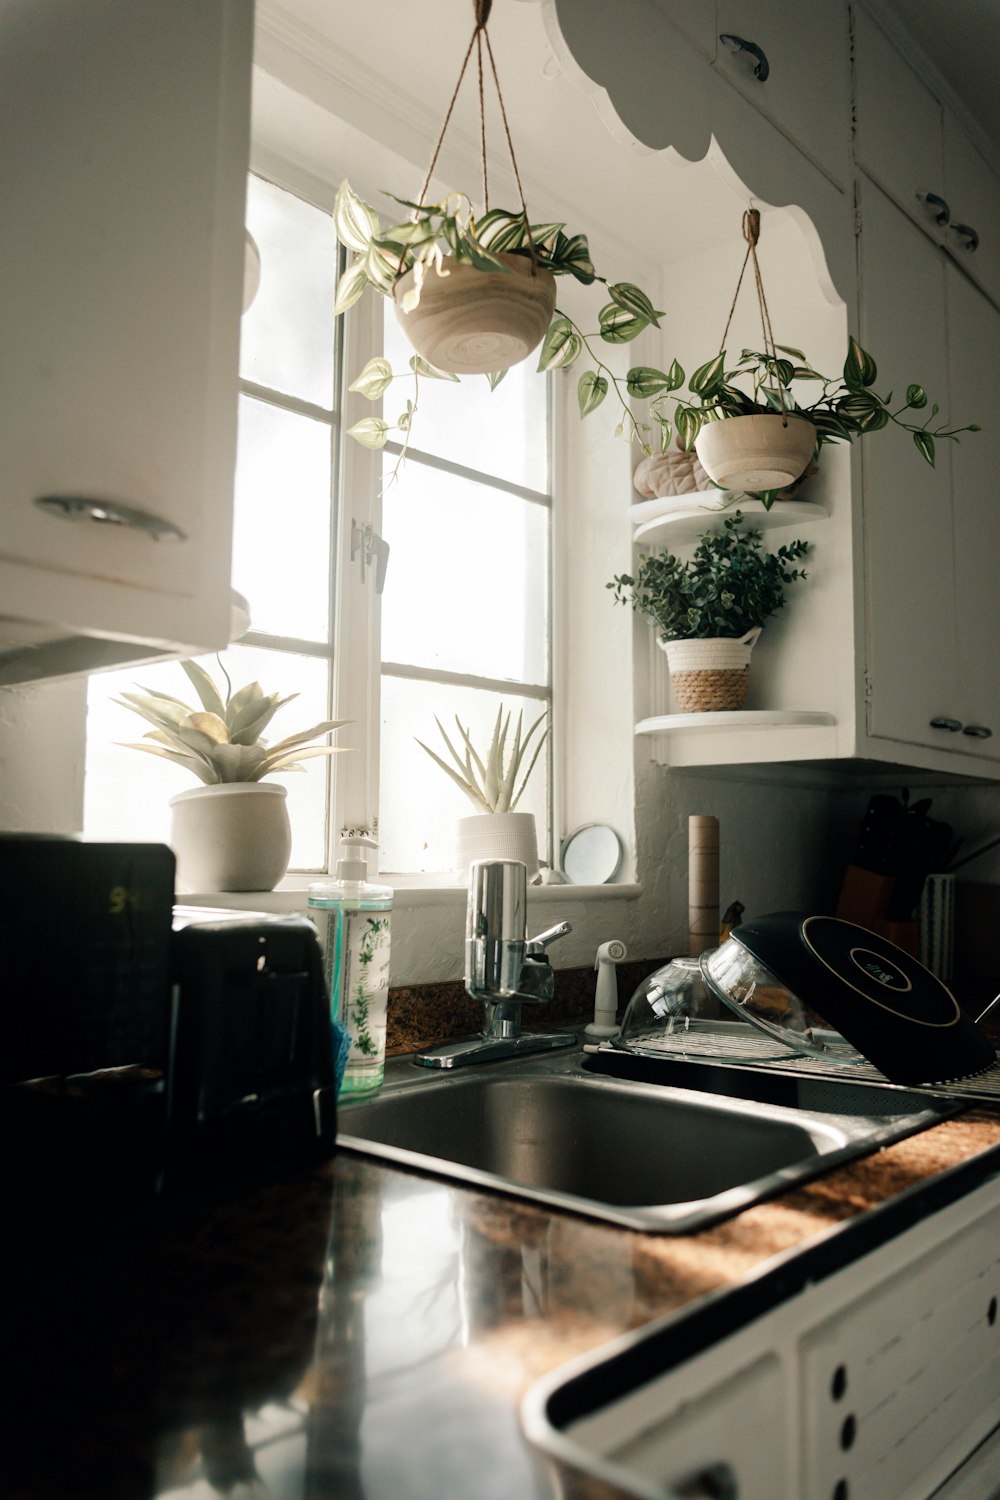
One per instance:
(353, 916)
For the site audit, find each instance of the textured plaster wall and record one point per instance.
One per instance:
(41, 757)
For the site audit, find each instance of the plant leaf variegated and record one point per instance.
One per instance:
(493, 783)
(221, 741)
(437, 234)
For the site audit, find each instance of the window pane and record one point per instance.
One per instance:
(501, 432)
(127, 792)
(467, 584)
(286, 341)
(281, 536)
(419, 804)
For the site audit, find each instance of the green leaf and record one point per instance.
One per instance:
(787, 349)
(560, 346)
(382, 267)
(644, 381)
(373, 380)
(499, 230)
(634, 300)
(370, 432)
(709, 376)
(860, 370)
(666, 432)
(618, 325)
(688, 422)
(925, 445)
(494, 377)
(590, 391)
(421, 367)
(916, 396)
(351, 287)
(355, 221)
(675, 377)
(571, 257)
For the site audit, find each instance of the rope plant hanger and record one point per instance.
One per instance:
(751, 233)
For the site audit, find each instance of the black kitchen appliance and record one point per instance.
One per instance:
(142, 1047)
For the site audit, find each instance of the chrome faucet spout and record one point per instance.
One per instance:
(503, 968)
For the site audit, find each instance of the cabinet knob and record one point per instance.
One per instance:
(952, 725)
(968, 236)
(110, 513)
(762, 67)
(938, 207)
(978, 731)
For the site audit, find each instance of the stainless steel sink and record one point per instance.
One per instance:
(648, 1155)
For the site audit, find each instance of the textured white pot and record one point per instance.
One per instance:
(475, 322)
(232, 837)
(757, 452)
(497, 836)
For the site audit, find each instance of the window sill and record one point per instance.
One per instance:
(291, 895)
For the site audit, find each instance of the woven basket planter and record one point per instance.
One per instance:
(710, 676)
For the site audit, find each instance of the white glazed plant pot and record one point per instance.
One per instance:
(712, 675)
(231, 837)
(509, 835)
(473, 322)
(756, 453)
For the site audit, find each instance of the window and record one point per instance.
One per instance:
(465, 616)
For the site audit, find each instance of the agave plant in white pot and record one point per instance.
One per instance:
(232, 833)
(494, 784)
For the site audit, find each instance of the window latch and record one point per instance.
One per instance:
(373, 550)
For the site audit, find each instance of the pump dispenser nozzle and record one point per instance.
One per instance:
(354, 867)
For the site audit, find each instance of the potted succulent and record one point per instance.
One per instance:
(750, 430)
(231, 833)
(709, 611)
(494, 784)
(476, 295)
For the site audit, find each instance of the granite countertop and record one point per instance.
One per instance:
(357, 1330)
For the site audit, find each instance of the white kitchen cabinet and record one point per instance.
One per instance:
(931, 544)
(123, 156)
(794, 66)
(919, 154)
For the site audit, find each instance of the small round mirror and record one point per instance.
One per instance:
(592, 855)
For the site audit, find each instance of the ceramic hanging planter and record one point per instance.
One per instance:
(710, 675)
(473, 322)
(754, 453)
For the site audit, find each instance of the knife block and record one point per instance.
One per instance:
(864, 899)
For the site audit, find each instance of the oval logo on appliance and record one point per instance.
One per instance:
(877, 967)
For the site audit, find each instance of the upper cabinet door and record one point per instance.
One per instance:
(792, 61)
(973, 194)
(898, 127)
(124, 146)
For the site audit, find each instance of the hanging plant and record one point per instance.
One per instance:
(757, 436)
(476, 293)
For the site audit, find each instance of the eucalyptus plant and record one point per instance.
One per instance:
(493, 782)
(220, 742)
(729, 586)
(435, 233)
(845, 408)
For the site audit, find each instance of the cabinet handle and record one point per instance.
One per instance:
(968, 236)
(942, 215)
(952, 725)
(978, 731)
(110, 513)
(762, 67)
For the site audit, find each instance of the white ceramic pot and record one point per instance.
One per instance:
(710, 676)
(497, 836)
(475, 322)
(231, 837)
(757, 452)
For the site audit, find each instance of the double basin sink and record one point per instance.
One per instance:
(665, 1148)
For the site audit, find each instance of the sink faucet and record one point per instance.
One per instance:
(503, 968)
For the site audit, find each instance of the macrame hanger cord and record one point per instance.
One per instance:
(751, 233)
(480, 35)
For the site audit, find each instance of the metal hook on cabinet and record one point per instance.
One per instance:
(374, 551)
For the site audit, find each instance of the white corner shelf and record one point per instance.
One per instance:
(683, 518)
(764, 718)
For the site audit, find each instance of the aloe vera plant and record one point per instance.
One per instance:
(220, 742)
(491, 782)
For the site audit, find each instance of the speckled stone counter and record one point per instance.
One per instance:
(356, 1330)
